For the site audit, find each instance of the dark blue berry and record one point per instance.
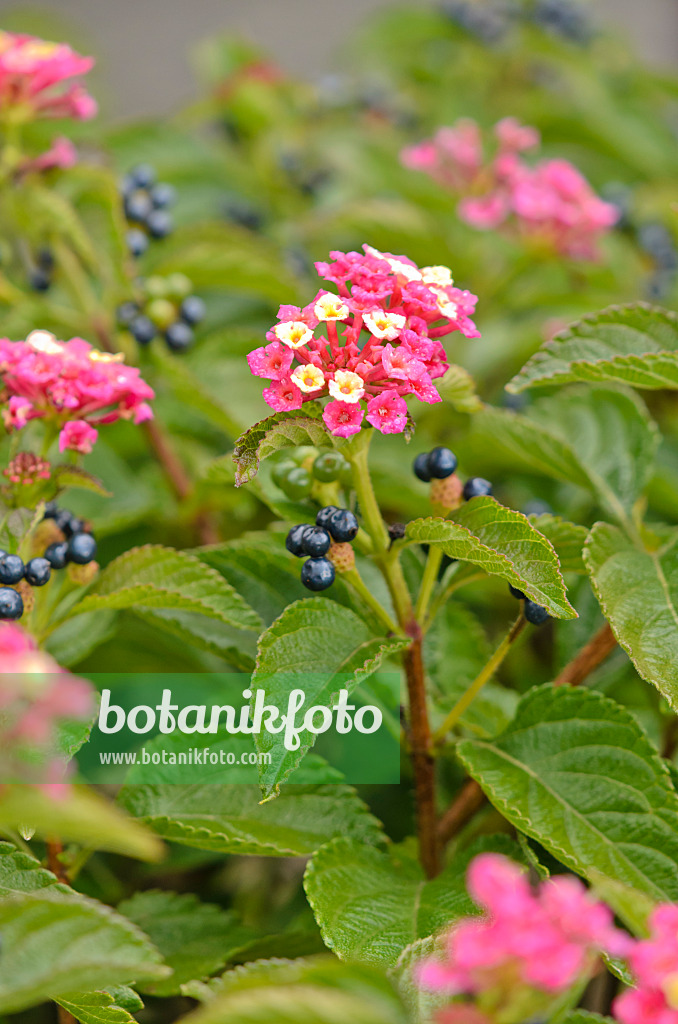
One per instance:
(442, 463)
(138, 206)
(421, 467)
(51, 509)
(143, 175)
(137, 242)
(45, 258)
(192, 310)
(476, 487)
(56, 554)
(162, 195)
(11, 569)
(143, 329)
(534, 613)
(343, 525)
(82, 548)
(62, 518)
(516, 593)
(74, 525)
(293, 542)
(159, 223)
(241, 212)
(40, 280)
(126, 312)
(315, 541)
(11, 605)
(179, 336)
(317, 573)
(324, 516)
(38, 572)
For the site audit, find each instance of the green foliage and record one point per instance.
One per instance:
(282, 430)
(102, 1007)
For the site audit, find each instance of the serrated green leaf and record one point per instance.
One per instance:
(503, 543)
(421, 1003)
(370, 905)
(318, 990)
(96, 1008)
(567, 539)
(75, 476)
(75, 638)
(575, 771)
(585, 1017)
(638, 593)
(282, 430)
(635, 344)
(324, 647)
(231, 819)
(194, 938)
(458, 387)
(155, 577)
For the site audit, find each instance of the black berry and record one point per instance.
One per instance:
(62, 518)
(40, 280)
(45, 258)
(51, 509)
(74, 525)
(192, 310)
(81, 549)
(137, 242)
(317, 573)
(143, 175)
(11, 604)
(11, 569)
(324, 516)
(38, 572)
(293, 542)
(476, 487)
(534, 613)
(343, 525)
(143, 329)
(162, 195)
(516, 593)
(179, 336)
(421, 467)
(159, 223)
(126, 313)
(56, 554)
(315, 541)
(138, 206)
(442, 463)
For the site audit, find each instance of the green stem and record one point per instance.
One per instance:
(355, 579)
(481, 679)
(446, 594)
(428, 581)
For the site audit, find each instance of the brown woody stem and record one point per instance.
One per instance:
(589, 658)
(468, 800)
(423, 762)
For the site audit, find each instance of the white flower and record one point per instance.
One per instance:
(330, 307)
(386, 326)
(440, 276)
(43, 341)
(293, 333)
(347, 386)
(308, 377)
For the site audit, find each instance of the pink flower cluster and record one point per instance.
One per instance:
(654, 963)
(550, 201)
(70, 384)
(36, 80)
(35, 695)
(529, 941)
(376, 342)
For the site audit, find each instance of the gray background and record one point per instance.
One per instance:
(143, 46)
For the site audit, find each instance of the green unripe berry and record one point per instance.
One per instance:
(162, 312)
(179, 286)
(304, 453)
(281, 471)
(327, 466)
(297, 484)
(156, 287)
(346, 475)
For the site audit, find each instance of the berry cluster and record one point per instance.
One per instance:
(332, 524)
(532, 611)
(490, 21)
(441, 464)
(146, 204)
(77, 547)
(165, 306)
(549, 201)
(296, 480)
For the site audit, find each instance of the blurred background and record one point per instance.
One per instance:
(144, 46)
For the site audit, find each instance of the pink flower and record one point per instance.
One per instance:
(77, 436)
(272, 361)
(62, 154)
(484, 212)
(513, 135)
(387, 412)
(36, 79)
(283, 394)
(342, 418)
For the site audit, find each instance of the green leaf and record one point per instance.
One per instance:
(638, 593)
(636, 345)
(231, 819)
(567, 539)
(155, 577)
(421, 1003)
(96, 1008)
(194, 938)
(319, 990)
(459, 389)
(575, 771)
(282, 430)
(503, 543)
(584, 1017)
(371, 905)
(55, 940)
(80, 816)
(75, 638)
(324, 646)
(74, 476)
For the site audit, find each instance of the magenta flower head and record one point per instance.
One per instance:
(69, 385)
(549, 201)
(39, 79)
(368, 347)
(654, 963)
(530, 946)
